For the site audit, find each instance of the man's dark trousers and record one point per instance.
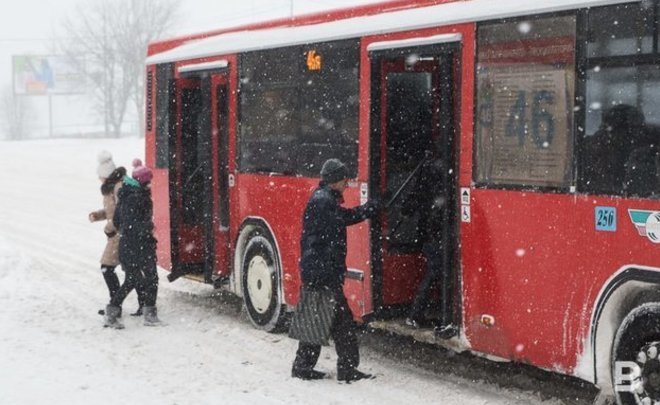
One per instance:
(344, 334)
(433, 254)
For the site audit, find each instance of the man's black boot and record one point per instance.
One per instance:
(352, 375)
(307, 374)
(446, 332)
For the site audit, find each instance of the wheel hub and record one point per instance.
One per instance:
(647, 388)
(651, 378)
(259, 284)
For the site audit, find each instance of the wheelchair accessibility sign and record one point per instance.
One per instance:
(647, 223)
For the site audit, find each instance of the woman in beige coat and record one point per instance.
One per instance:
(111, 178)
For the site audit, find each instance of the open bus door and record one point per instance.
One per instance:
(413, 108)
(200, 211)
(220, 175)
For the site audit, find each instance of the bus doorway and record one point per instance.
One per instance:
(414, 118)
(200, 209)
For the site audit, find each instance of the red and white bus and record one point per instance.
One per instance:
(548, 117)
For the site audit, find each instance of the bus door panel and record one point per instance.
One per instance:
(220, 187)
(408, 122)
(417, 111)
(188, 177)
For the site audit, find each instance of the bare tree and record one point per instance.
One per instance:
(16, 113)
(113, 35)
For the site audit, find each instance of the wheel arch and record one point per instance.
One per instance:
(630, 287)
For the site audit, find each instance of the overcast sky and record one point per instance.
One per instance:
(27, 25)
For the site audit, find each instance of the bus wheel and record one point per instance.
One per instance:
(261, 283)
(635, 359)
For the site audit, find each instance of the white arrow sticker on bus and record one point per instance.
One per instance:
(364, 193)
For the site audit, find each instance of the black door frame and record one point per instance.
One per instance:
(449, 70)
(205, 156)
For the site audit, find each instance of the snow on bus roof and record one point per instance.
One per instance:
(394, 21)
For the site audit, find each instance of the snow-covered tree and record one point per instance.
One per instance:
(113, 35)
(16, 113)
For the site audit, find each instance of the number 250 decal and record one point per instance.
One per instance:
(541, 118)
(606, 219)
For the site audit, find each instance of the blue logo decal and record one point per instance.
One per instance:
(647, 223)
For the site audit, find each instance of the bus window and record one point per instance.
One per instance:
(299, 107)
(409, 132)
(622, 128)
(525, 92)
(191, 175)
(161, 99)
(626, 29)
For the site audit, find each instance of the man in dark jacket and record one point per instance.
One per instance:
(137, 246)
(323, 266)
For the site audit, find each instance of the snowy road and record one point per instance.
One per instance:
(54, 350)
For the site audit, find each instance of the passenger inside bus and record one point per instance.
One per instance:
(428, 198)
(621, 157)
(642, 169)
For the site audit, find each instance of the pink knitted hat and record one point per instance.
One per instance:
(141, 173)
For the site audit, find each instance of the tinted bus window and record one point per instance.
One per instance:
(525, 92)
(162, 101)
(191, 173)
(619, 154)
(299, 107)
(625, 29)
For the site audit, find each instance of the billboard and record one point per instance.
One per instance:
(43, 75)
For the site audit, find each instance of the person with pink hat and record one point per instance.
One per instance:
(137, 246)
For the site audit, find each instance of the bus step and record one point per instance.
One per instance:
(425, 335)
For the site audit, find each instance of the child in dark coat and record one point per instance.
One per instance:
(137, 245)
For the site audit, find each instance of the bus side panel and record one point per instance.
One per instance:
(536, 264)
(161, 198)
(160, 183)
(524, 266)
(280, 201)
(358, 254)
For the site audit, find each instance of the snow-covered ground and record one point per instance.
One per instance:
(54, 350)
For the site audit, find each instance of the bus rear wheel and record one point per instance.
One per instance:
(261, 283)
(635, 357)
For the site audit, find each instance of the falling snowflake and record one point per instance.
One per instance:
(524, 27)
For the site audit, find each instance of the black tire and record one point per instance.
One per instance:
(638, 340)
(261, 283)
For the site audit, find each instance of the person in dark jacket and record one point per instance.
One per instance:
(323, 266)
(429, 199)
(137, 246)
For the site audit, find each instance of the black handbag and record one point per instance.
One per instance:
(313, 317)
